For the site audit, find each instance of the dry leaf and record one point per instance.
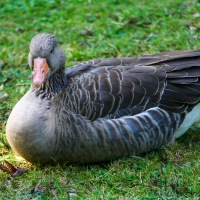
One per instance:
(14, 171)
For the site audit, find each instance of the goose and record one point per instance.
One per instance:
(103, 109)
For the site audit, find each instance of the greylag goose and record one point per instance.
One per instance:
(103, 109)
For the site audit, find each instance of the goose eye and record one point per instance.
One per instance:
(51, 51)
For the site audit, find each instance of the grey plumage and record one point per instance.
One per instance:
(103, 109)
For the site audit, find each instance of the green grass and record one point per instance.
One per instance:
(97, 29)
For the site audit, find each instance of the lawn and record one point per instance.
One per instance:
(98, 29)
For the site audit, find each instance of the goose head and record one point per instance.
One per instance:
(45, 58)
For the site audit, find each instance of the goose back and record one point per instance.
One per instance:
(114, 88)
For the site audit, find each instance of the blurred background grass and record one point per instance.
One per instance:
(98, 29)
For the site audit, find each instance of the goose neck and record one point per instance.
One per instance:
(55, 84)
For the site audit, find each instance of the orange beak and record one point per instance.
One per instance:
(40, 71)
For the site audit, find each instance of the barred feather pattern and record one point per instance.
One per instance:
(104, 140)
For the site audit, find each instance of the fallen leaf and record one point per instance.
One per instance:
(3, 95)
(1, 86)
(14, 171)
(71, 194)
(86, 32)
(196, 15)
(39, 189)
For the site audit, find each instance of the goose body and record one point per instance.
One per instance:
(103, 109)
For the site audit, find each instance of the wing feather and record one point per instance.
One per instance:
(127, 86)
